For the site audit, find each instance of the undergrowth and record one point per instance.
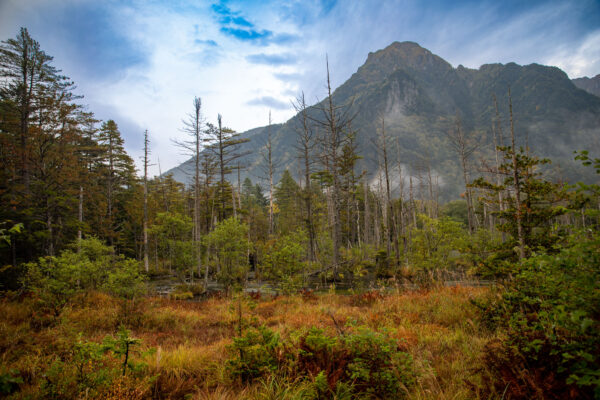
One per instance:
(413, 345)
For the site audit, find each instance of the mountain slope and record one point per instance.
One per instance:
(590, 85)
(419, 94)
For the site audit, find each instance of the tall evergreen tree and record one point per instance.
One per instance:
(119, 174)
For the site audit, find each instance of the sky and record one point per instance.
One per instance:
(141, 63)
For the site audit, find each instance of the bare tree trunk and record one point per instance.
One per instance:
(516, 182)
(80, 218)
(221, 167)
(270, 167)
(234, 202)
(334, 142)
(401, 230)
(412, 201)
(110, 187)
(239, 187)
(391, 214)
(498, 141)
(305, 145)
(50, 229)
(146, 142)
(464, 148)
(197, 132)
(367, 216)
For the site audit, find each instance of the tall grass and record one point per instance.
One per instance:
(189, 340)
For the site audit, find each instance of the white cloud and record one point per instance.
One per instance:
(584, 60)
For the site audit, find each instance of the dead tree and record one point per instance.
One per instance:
(391, 234)
(516, 182)
(464, 145)
(269, 168)
(146, 152)
(334, 119)
(224, 144)
(305, 146)
(193, 126)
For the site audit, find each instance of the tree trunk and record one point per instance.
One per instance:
(516, 182)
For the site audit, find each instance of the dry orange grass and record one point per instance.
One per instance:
(438, 328)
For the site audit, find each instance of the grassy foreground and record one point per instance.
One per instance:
(184, 346)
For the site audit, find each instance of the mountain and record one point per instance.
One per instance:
(419, 94)
(590, 85)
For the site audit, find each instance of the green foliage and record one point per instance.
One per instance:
(55, 280)
(86, 370)
(87, 359)
(5, 234)
(255, 354)
(10, 381)
(90, 367)
(584, 157)
(283, 261)
(126, 280)
(457, 211)
(377, 366)
(287, 198)
(360, 364)
(173, 232)
(122, 346)
(436, 243)
(367, 362)
(540, 200)
(586, 195)
(229, 246)
(551, 313)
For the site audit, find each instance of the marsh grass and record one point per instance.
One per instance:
(440, 329)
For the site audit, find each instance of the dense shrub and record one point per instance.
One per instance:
(362, 363)
(94, 266)
(283, 263)
(551, 314)
(256, 354)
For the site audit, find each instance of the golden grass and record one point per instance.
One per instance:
(439, 328)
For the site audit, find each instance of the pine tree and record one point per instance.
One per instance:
(286, 196)
(27, 71)
(118, 174)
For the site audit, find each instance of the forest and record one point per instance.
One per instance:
(331, 283)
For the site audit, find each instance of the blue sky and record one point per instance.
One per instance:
(142, 62)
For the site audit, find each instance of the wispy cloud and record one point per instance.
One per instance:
(584, 60)
(208, 43)
(272, 59)
(270, 102)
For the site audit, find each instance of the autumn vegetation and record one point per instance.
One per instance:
(337, 283)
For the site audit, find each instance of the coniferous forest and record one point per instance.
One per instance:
(326, 280)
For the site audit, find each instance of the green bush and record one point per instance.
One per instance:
(255, 354)
(56, 280)
(377, 366)
(364, 363)
(229, 246)
(283, 261)
(551, 312)
(436, 245)
(10, 381)
(181, 295)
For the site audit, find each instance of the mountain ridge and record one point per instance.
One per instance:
(420, 94)
(590, 85)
